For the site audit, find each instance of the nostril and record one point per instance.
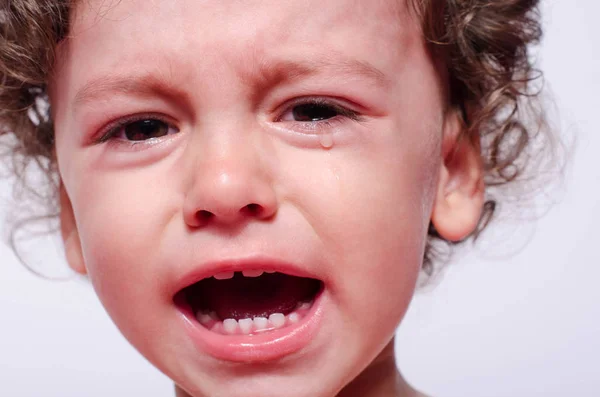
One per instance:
(252, 209)
(204, 216)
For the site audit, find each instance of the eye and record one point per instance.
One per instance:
(316, 110)
(137, 130)
(145, 129)
(313, 112)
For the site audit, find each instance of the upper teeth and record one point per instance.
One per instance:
(252, 273)
(224, 275)
(246, 273)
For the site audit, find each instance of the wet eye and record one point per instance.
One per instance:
(142, 130)
(313, 112)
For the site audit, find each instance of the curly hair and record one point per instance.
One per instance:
(484, 45)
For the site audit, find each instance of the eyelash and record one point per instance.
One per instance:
(110, 132)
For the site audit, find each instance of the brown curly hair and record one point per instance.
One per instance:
(484, 44)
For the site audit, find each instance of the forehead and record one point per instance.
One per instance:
(297, 18)
(186, 41)
(155, 29)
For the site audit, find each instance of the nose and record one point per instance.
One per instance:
(230, 184)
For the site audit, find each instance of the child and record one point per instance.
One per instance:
(254, 187)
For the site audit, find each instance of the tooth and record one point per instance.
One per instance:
(304, 306)
(223, 275)
(214, 316)
(252, 273)
(270, 271)
(277, 319)
(204, 318)
(230, 325)
(294, 318)
(246, 325)
(260, 323)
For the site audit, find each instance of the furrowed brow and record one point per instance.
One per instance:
(271, 73)
(140, 86)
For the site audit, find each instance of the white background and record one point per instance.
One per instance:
(519, 326)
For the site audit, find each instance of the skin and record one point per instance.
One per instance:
(356, 214)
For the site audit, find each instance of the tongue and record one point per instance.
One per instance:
(244, 297)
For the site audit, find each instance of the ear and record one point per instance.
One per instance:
(460, 193)
(70, 235)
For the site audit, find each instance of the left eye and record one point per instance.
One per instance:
(315, 111)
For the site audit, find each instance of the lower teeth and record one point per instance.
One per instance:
(249, 326)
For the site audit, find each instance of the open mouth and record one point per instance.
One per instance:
(249, 302)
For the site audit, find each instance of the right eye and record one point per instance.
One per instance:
(140, 130)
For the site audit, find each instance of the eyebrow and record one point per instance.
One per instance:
(271, 73)
(264, 77)
(142, 86)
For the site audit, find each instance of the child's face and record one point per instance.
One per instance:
(298, 136)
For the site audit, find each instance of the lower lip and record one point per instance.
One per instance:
(268, 346)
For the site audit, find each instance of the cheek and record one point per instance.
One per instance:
(122, 218)
(370, 207)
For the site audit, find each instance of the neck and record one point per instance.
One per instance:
(380, 379)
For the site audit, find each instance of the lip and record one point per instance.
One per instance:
(263, 347)
(255, 262)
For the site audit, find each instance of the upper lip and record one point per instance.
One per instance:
(209, 268)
